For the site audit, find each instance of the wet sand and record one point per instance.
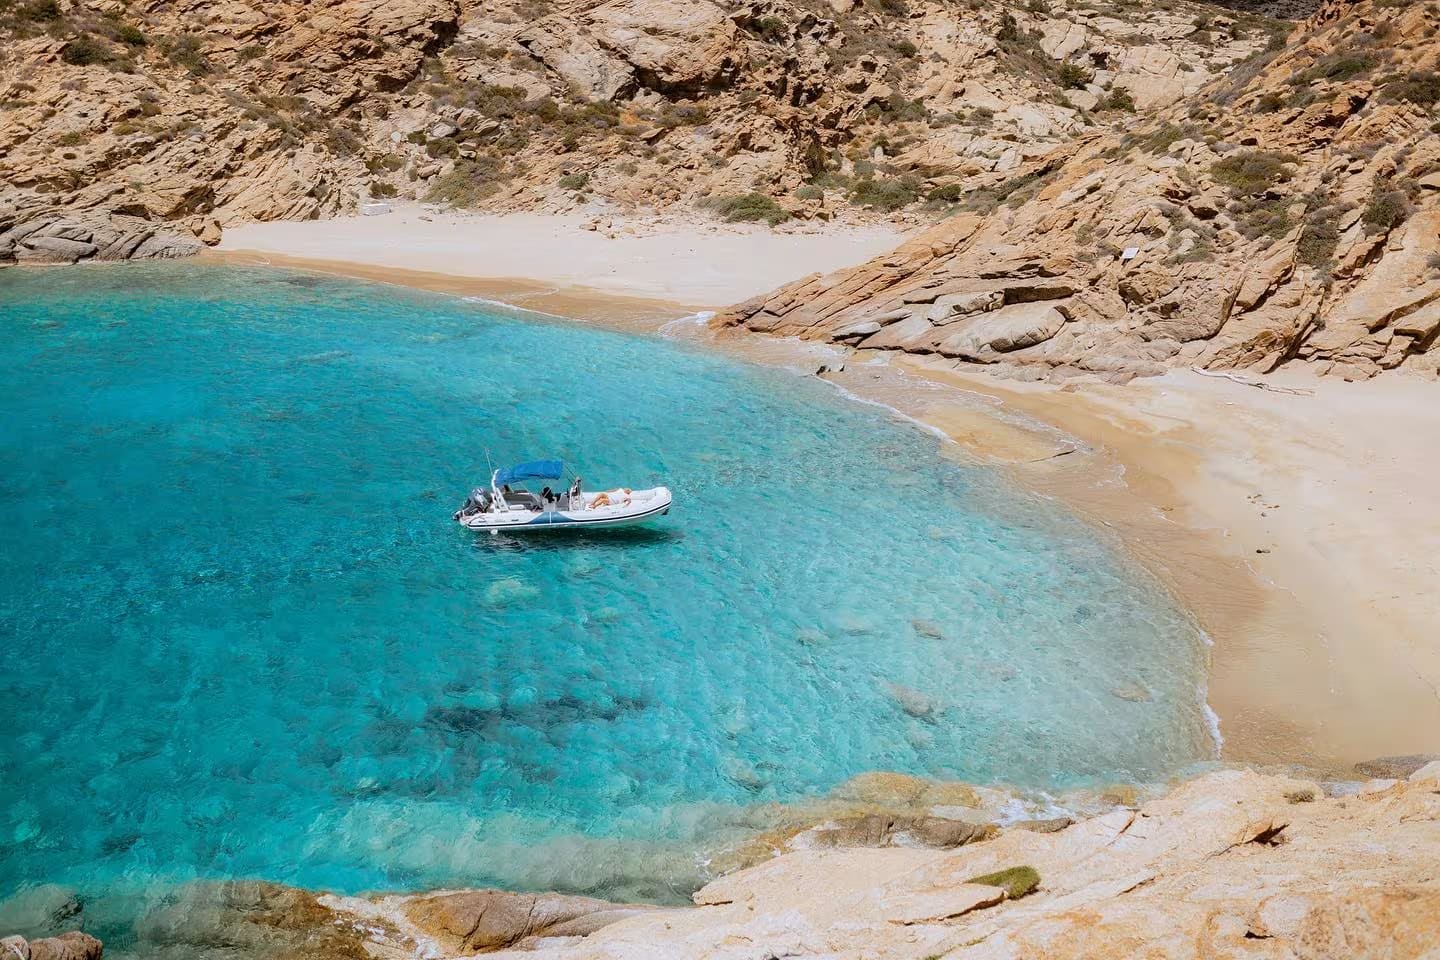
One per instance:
(1301, 530)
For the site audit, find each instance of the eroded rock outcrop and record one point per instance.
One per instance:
(201, 114)
(1284, 215)
(1232, 865)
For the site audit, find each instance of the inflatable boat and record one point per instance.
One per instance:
(508, 506)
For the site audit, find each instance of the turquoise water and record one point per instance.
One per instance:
(243, 638)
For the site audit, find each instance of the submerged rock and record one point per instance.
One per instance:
(914, 703)
(510, 591)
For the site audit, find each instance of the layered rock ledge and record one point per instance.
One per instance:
(1233, 864)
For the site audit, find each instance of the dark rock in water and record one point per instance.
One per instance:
(481, 920)
(1394, 768)
(68, 946)
(883, 830)
(927, 628)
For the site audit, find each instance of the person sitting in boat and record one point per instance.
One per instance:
(575, 502)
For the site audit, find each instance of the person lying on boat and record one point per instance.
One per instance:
(611, 497)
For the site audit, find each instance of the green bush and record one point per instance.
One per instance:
(1259, 217)
(810, 192)
(1386, 210)
(129, 33)
(1321, 236)
(1072, 76)
(466, 185)
(1420, 87)
(1118, 99)
(1335, 66)
(85, 50)
(946, 193)
(888, 194)
(1250, 173)
(186, 51)
(1017, 881)
(574, 181)
(747, 208)
(39, 11)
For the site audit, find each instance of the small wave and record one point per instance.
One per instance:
(1212, 723)
(675, 327)
(505, 305)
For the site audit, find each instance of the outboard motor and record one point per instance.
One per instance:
(478, 502)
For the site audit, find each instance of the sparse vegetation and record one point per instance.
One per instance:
(466, 185)
(1249, 173)
(1336, 66)
(747, 208)
(1386, 210)
(85, 50)
(1420, 87)
(1072, 76)
(187, 50)
(1320, 237)
(888, 194)
(1017, 881)
(1118, 99)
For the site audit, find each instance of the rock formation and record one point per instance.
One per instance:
(187, 117)
(1233, 864)
(68, 946)
(1290, 212)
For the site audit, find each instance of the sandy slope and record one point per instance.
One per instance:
(694, 263)
(1302, 529)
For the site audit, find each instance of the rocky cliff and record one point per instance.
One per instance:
(1232, 865)
(136, 129)
(1289, 212)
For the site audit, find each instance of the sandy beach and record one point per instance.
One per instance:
(560, 260)
(1295, 526)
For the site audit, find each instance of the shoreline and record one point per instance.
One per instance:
(630, 260)
(1291, 660)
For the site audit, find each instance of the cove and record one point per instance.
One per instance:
(242, 637)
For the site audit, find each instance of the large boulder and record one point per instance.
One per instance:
(1009, 328)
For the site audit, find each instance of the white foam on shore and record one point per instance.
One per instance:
(673, 328)
(487, 301)
(1212, 722)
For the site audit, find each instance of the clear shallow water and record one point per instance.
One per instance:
(242, 638)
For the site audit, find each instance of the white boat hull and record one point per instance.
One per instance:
(639, 506)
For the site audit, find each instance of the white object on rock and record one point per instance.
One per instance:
(374, 209)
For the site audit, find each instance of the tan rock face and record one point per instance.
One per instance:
(1253, 226)
(240, 110)
(474, 921)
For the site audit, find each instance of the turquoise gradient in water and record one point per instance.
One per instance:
(243, 638)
